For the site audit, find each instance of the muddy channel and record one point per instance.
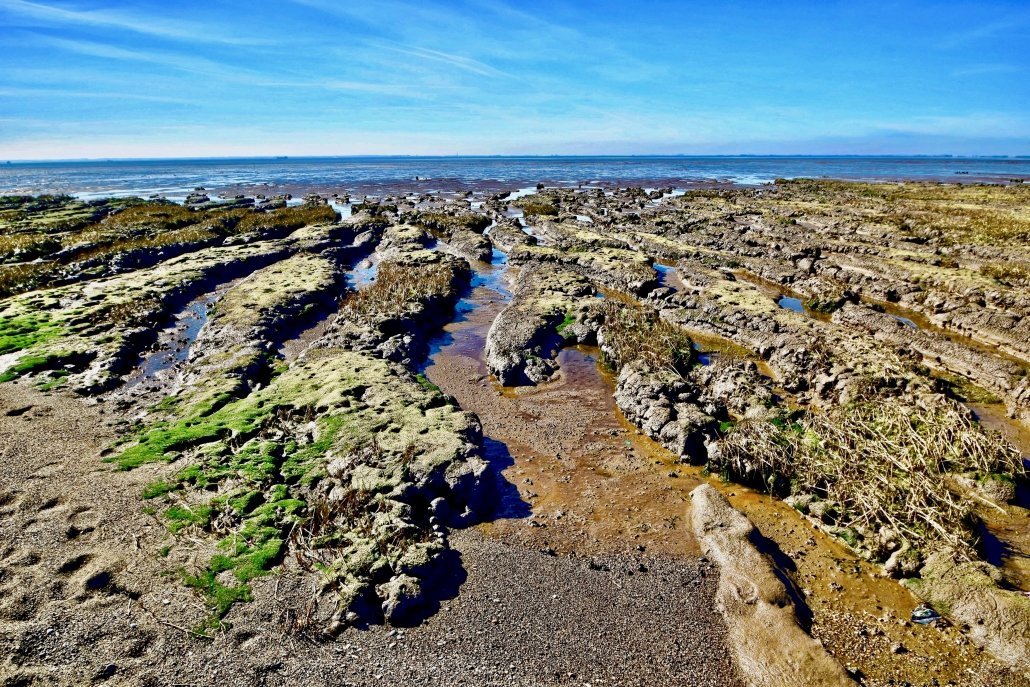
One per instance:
(594, 486)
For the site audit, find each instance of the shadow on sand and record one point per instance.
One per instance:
(782, 564)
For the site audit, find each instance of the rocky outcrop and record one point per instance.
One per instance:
(665, 408)
(770, 648)
(995, 374)
(414, 292)
(734, 388)
(462, 231)
(524, 339)
(470, 245)
(508, 235)
(617, 268)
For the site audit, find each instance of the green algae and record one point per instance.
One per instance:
(570, 318)
(19, 332)
(255, 468)
(424, 381)
(33, 364)
(219, 598)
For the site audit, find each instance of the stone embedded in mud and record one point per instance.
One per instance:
(823, 510)
(969, 593)
(650, 400)
(800, 502)
(996, 489)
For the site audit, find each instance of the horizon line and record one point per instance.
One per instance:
(486, 156)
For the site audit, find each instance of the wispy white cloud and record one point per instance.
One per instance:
(985, 31)
(160, 26)
(194, 65)
(457, 61)
(375, 88)
(72, 94)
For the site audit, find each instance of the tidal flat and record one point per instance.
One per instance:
(553, 436)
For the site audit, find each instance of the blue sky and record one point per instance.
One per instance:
(97, 78)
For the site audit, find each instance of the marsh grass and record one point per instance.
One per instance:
(885, 464)
(26, 246)
(22, 276)
(397, 286)
(134, 312)
(1007, 274)
(145, 225)
(632, 333)
(537, 205)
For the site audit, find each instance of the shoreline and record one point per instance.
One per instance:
(478, 190)
(484, 174)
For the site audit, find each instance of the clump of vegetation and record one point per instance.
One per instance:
(536, 205)
(633, 333)
(444, 223)
(883, 465)
(152, 216)
(426, 384)
(34, 203)
(22, 276)
(1008, 274)
(396, 287)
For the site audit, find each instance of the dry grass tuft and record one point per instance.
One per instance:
(396, 287)
(883, 463)
(632, 333)
(1008, 274)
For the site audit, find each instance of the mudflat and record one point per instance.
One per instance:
(465, 438)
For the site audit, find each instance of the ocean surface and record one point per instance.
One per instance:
(175, 178)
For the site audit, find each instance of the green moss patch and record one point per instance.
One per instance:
(257, 469)
(20, 332)
(33, 364)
